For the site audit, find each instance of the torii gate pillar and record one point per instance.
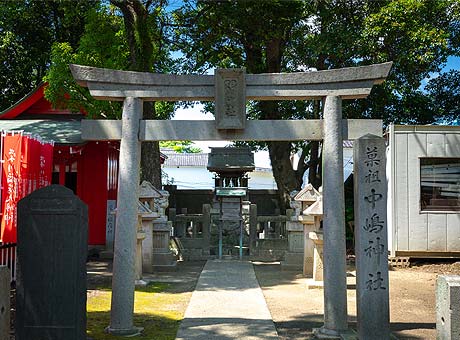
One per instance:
(123, 278)
(334, 259)
(133, 88)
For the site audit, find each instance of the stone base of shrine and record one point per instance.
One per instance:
(164, 262)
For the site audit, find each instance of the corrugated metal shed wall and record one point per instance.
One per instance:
(413, 230)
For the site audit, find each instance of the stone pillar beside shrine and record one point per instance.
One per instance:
(371, 243)
(300, 249)
(142, 210)
(147, 196)
(163, 258)
(314, 238)
(156, 255)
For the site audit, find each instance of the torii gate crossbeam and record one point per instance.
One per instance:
(230, 89)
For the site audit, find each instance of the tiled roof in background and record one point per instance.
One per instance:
(175, 159)
(185, 159)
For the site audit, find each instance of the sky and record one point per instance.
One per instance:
(453, 63)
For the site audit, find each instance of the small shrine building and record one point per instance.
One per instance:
(90, 169)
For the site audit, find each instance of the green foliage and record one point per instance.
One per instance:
(103, 44)
(417, 35)
(27, 31)
(444, 92)
(181, 146)
(221, 33)
(289, 36)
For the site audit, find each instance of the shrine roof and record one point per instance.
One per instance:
(185, 159)
(34, 104)
(147, 190)
(307, 194)
(231, 159)
(59, 131)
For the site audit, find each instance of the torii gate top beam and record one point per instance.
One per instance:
(230, 89)
(348, 83)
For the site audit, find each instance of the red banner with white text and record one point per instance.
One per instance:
(10, 185)
(27, 166)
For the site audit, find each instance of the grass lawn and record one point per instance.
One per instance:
(156, 308)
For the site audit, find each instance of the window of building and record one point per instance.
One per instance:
(440, 184)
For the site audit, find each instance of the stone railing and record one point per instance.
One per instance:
(192, 231)
(188, 226)
(274, 227)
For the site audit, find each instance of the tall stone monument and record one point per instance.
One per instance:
(371, 248)
(230, 92)
(51, 281)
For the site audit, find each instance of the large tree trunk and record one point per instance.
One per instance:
(135, 16)
(150, 153)
(286, 178)
(283, 172)
(280, 157)
(315, 160)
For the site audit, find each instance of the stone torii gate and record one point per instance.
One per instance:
(230, 89)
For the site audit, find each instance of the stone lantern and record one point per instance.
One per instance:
(300, 253)
(147, 196)
(316, 236)
(144, 216)
(156, 253)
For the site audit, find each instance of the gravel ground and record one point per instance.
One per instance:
(296, 310)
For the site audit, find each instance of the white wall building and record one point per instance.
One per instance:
(423, 168)
(188, 171)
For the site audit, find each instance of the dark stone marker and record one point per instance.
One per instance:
(51, 283)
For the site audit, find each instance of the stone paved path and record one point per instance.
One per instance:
(227, 304)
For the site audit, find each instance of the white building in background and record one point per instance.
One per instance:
(347, 162)
(423, 168)
(188, 171)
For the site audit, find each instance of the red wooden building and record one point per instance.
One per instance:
(90, 169)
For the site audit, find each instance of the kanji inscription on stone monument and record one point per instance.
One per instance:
(230, 89)
(371, 238)
(230, 99)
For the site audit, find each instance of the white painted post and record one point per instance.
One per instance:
(122, 309)
(334, 253)
(371, 246)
